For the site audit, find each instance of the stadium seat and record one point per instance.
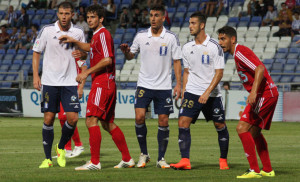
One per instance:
(276, 78)
(15, 67)
(289, 68)
(268, 66)
(120, 31)
(292, 56)
(7, 61)
(18, 61)
(6, 85)
(296, 79)
(20, 56)
(294, 50)
(297, 69)
(296, 38)
(286, 79)
(280, 55)
(283, 50)
(280, 61)
(292, 61)
(277, 66)
(268, 61)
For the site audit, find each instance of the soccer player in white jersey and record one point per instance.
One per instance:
(203, 69)
(58, 83)
(157, 47)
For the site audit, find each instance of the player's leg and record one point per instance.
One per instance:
(119, 139)
(184, 141)
(78, 149)
(143, 98)
(95, 142)
(213, 110)
(62, 119)
(49, 106)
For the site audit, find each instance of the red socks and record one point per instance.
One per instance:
(249, 148)
(95, 142)
(262, 150)
(119, 139)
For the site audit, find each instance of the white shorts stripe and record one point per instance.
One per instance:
(245, 60)
(104, 45)
(98, 96)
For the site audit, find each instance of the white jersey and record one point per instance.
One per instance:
(156, 58)
(202, 60)
(59, 67)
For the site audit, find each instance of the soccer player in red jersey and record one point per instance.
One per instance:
(261, 103)
(102, 98)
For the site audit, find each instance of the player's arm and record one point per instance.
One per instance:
(82, 45)
(185, 80)
(215, 81)
(81, 85)
(258, 77)
(98, 67)
(35, 69)
(177, 71)
(126, 51)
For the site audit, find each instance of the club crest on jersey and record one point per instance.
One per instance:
(205, 58)
(216, 110)
(163, 50)
(73, 98)
(168, 100)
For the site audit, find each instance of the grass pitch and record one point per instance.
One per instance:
(21, 152)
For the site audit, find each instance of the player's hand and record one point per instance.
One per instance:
(82, 76)
(177, 91)
(66, 39)
(80, 92)
(251, 98)
(203, 98)
(125, 48)
(37, 83)
(77, 54)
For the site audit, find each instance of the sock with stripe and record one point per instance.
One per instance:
(141, 134)
(223, 138)
(66, 134)
(163, 140)
(119, 139)
(68, 146)
(249, 148)
(95, 143)
(262, 150)
(48, 136)
(184, 141)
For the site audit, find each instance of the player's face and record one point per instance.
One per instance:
(225, 42)
(195, 26)
(64, 17)
(157, 19)
(93, 20)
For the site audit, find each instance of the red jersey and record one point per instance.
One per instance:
(246, 62)
(102, 46)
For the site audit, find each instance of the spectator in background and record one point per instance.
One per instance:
(270, 17)
(136, 17)
(4, 36)
(34, 4)
(253, 8)
(221, 5)
(32, 36)
(82, 23)
(124, 18)
(23, 20)
(22, 39)
(210, 7)
(110, 8)
(11, 17)
(295, 25)
(291, 4)
(284, 27)
(145, 19)
(285, 11)
(264, 4)
(13, 37)
(80, 12)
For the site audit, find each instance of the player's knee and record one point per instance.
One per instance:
(140, 119)
(163, 121)
(48, 120)
(240, 129)
(219, 125)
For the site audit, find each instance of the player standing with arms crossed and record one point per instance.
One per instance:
(102, 98)
(58, 82)
(261, 103)
(157, 47)
(203, 60)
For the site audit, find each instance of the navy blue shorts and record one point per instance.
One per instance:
(163, 103)
(53, 95)
(212, 110)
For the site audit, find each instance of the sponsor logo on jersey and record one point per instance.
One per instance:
(216, 110)
(76, 107)
(163, 50)
(73, 98)
(244, 116)
(168, 100)
(205, 58)
(88, 111)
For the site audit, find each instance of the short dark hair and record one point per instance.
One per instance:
(229, 31)
(201, 17)
(99, 10)
(66, 5)
(158, 7)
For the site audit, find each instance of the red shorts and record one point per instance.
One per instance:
(261, 113)
(62, 115)
(101, 103)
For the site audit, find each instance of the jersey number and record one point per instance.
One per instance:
(91, 53)
(187, 103)
(243, 77)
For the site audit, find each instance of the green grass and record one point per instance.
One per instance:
(21, 152)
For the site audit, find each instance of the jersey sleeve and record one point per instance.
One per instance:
(176, 49)
(106, 44)
(184, 58)
(219, 62)
(135, 47)
(248, 58)
(41, 41)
